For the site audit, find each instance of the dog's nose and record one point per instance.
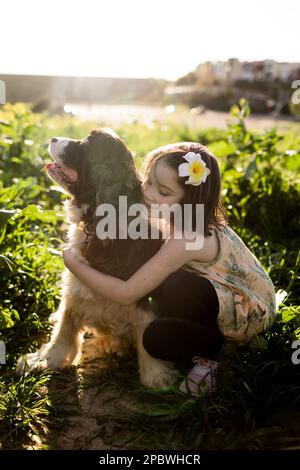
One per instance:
(53, 140)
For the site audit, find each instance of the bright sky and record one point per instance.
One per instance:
(143, 38)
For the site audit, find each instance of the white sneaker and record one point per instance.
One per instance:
(201, 378)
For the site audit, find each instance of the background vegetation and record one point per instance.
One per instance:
(258, 401)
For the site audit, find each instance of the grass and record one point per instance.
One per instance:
(257, 403)
(24, 408)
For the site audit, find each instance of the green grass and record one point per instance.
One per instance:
(257, 403)
(24, 408)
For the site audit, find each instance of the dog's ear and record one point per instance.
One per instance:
(113, 171)
(114, 168)
(109, 192)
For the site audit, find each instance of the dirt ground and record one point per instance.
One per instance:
(92, 408)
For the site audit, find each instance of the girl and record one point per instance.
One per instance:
(201, 296)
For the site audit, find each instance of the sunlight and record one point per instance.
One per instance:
(142, 38)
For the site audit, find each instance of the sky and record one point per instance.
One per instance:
(143, 38)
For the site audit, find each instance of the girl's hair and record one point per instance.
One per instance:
(208, 193)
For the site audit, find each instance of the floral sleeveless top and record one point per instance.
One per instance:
(246, 294)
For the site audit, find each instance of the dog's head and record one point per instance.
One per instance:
(94, 170)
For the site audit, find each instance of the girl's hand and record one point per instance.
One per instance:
(68, 256)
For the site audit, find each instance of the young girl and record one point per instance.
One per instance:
(202, 296)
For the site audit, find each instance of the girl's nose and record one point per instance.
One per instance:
(147, 195)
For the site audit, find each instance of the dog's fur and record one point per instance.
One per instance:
(95, 170)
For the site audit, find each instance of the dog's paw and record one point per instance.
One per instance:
(30, 362)
(48, 357)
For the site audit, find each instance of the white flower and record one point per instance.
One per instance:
(196, 169)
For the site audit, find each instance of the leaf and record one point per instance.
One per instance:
(293, 162)
(9, 263)
(35, 213)
(8, 318)
(251, 169)
(16, 160)
(288, 314)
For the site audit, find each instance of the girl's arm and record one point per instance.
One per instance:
(168, 259)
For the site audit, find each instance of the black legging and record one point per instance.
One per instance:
(187, 307)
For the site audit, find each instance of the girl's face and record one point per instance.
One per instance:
(160, 186)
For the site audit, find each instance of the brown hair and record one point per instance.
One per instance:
(208, 193)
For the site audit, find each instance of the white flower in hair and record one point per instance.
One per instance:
(196, 169)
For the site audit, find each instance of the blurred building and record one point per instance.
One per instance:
(233, 70)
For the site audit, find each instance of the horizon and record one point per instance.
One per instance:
(134, 39)
(133, 77)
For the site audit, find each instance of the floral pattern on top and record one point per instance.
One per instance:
(245, 290)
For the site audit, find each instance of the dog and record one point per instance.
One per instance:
(96, 170)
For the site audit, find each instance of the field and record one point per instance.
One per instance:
(101, 404)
